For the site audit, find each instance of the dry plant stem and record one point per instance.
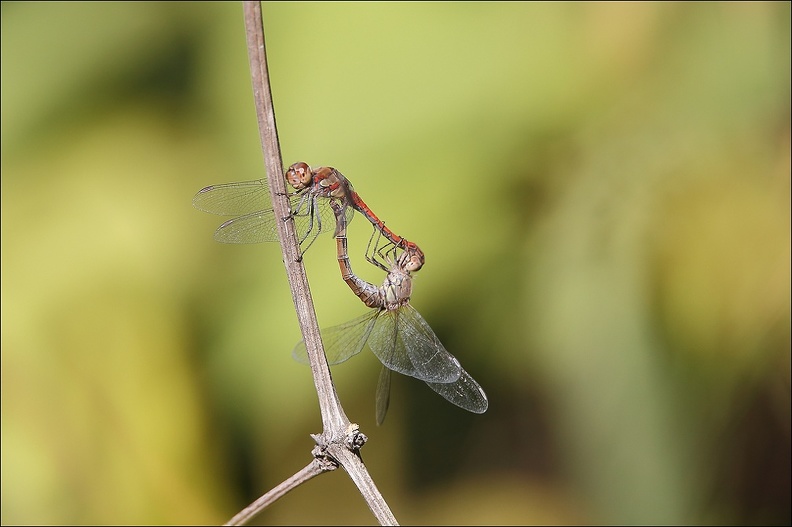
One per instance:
(340, 440)
(314, 468)
(333, 418)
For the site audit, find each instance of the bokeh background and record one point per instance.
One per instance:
(602, 191)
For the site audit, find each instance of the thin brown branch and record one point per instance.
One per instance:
(314, 468)
(334, 419)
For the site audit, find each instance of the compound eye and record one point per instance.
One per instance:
(411, 262)
(414, 264)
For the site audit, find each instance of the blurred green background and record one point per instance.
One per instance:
(602, 192)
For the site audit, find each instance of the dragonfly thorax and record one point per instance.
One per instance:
(332, 183)
(397, 288)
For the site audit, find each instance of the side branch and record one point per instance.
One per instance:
(314, 468)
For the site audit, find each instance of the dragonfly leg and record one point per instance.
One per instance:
(373, 254)
(313, 239)
(313, 230)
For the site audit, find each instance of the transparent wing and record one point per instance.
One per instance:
(234, 199)
(311, 218)
(383, 394)
(404, 342)
(464, 392)
(388, 346)
(256, 227)
(343, 341)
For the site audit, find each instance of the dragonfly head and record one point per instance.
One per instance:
(412, 259)
(299, 175)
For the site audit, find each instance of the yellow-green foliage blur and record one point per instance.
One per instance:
(602, 191)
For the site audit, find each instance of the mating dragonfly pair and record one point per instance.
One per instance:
(324, 199)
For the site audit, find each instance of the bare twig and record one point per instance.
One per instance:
(314, 468)
(340, 440)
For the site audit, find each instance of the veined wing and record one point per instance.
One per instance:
(311, 217)
(464, 392)
(234, 199)
(255, 227)
(404, 342)
(383, 394)
(343, 341)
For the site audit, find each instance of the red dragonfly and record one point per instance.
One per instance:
(396, 333)
(314, 190)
